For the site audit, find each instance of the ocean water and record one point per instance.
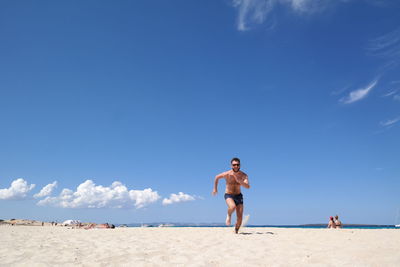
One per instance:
(325, 226)
(352, 226)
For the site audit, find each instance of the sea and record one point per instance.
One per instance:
(311, 226)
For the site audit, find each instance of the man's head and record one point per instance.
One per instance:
(336, 217)
(235, 163)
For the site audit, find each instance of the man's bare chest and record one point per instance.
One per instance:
(232, 180)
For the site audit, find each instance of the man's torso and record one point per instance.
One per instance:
(232, 186)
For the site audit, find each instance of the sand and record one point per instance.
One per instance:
(63, 246)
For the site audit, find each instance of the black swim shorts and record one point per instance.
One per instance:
(237, 198)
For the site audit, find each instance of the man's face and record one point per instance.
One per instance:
(235, 166)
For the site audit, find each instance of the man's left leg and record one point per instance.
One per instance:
(239, 215)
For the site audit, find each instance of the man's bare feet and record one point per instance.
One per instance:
(236, 230)
(228, 220)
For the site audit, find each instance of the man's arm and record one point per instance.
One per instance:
(219, 176)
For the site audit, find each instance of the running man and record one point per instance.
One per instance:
(233, 197)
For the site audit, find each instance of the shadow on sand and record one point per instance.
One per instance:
(257, 233)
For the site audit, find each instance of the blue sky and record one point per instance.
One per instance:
(113, 106)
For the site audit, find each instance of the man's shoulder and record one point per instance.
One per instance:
(243, 173)
(225, 173)
(228, 172)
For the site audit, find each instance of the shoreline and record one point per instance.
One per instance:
(27, 222)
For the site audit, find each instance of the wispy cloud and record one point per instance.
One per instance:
(390, 123)
(252, 12)
(393, 93)
(386, 47)
(390, 93)
(307, 6)
(18, 190)
(46, 190)
(340, 90)
(176, 198)
(90, 195)
(358, 94)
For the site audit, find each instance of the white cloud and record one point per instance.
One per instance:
(256, 11)
(176, 198)
(390, 93)
(387, 45)
(143, 197)
(88, 195)
(389, 123)
(340, 90)
(46, 190)
(307, 6)
(251, 12)
(358, 94)
(18, 190)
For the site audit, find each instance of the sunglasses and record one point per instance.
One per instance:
(235, 164)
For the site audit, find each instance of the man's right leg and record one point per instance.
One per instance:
(239, 214)
(231, 209)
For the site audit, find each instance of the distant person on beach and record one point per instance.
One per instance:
(338, 223)
(235, 178)
(331, 223)
(100, 226)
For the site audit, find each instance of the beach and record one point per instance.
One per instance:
(197, 246)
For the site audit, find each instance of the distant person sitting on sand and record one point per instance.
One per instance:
(331, 223)
(100, 226)
(338, 223)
